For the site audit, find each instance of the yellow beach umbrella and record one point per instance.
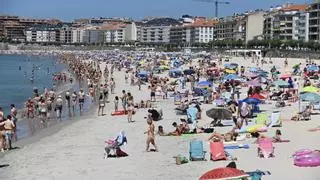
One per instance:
(310, 89)
(230, 71)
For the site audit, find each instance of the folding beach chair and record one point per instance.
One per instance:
(196, 151)
(275, 119)
(217, 151)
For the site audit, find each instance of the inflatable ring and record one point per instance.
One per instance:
(308, 160)
(303, 152)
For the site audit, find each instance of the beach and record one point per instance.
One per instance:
(75, 150)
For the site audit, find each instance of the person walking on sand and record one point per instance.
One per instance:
(150, 135)
(126, 77)
(58, 108)
(112, 85)
(74, 102)
(68, 102)
(81, 96)
(101, 104)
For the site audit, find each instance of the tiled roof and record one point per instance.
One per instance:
(295, 7)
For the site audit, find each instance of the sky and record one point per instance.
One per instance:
(68, 10)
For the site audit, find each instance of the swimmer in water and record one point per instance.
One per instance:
(19, 68)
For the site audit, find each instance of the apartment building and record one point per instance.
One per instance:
(290, 22)
(43, 34)
(200, 30)
(157, 30)
(231, 28)
(66, 35)
(314, 21)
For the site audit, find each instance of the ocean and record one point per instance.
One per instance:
(16, 87)
(16, 73)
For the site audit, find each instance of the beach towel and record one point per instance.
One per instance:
(246, 146)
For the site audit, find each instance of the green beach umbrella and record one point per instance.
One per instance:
(281, 83)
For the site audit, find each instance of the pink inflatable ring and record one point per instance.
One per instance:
(303, 152)
(308, 160)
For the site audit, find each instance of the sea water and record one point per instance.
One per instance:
(16, 74)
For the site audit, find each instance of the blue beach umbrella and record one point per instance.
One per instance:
(253, 69)
(251, 101)
(204, 84)
(231, 76)
(313, 68)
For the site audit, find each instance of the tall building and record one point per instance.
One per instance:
(254, 25)
(289, 22)
(157, 30)
(314, 21)
(66, 35)
(231, 28)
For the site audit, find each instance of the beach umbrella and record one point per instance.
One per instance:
(231, 66)
(253, 69)
(163, 67)
(310, 89)
(252, 101)
(189, 71)
(285, 76)
(219, 113)
(313, 68)
(281, 83)
(230, 71)
(254, 83)
(231, 76)
(224, 174)
(310, 96)
(250, 74)
(257, 96)
(204, 84)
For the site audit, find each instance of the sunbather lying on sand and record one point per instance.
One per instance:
(227, 137)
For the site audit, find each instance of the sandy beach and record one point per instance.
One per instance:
(76, 151)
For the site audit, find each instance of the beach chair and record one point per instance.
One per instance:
(275, 119)
(217, 151)
(196, 151)
(261, 119)
(265, 148)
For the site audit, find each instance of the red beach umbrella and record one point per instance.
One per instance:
(257, 96)
(285, 76)
(223, 174)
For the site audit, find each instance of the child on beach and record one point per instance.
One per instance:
(151, 136)
(116, 103)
